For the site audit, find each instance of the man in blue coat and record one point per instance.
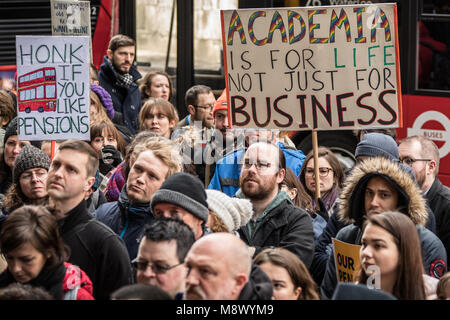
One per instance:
(118, 76)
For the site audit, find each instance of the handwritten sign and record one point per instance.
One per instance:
(324, 68)
(71, 18)
(53, 87)
(346, 257)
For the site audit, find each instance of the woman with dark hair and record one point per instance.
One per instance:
(391, 254)
(109, 144)
(290, 277)
(156, 84)
(36, 255)
(291, 185)
(159, 116)
(331, 178)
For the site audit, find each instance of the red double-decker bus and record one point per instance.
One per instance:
(37, 90)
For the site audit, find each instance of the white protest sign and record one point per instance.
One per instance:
(53, 87)
(71, 18)
(324, 68)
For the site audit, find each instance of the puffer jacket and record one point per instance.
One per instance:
(410, 202)
(126, 101)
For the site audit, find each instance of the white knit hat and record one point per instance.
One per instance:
(233, 212)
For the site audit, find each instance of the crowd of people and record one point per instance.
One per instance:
(155, 207)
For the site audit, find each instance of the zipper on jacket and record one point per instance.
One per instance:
(125, 227)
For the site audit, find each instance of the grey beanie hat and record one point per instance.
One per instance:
(186, 191)
(29, 157)
(375, 144)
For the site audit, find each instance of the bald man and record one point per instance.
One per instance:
(220, 268)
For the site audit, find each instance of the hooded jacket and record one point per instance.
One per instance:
(126, 101)
(410, 202)
(126, 220)
(258, 286)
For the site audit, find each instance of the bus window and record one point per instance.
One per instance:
(22, 95)
(40, 92)
(32, 94)
(39, 74)
(433, 63)
(50, 91)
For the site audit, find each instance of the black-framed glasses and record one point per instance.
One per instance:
(323, 171)
(410, 161)
(207, 108)
(156, 268)
(259, 165)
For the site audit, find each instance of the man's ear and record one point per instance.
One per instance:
(280, 176)
(109, 53)
(241, 279)
(191, 109)
(89, 183)
(431, 166)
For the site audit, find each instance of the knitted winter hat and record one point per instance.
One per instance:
(375, 144)
(233, 212)
(11, 130)
(186, 191)
(29, 158)
(221, 103)
(105, 98)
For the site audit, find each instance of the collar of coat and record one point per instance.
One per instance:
(351, 205)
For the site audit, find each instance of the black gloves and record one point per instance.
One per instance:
(111, 158)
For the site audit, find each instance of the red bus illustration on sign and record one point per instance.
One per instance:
(37, 90)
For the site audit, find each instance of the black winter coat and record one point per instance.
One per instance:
(438, 198)
(126, 101)
(258, 286)
(97, 250)
(285, 226)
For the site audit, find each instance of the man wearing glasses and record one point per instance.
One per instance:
(199, 101)
(276, 222)
(160, 259)
(422, 155)
(195, 132)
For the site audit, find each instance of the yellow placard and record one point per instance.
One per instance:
(347, 261)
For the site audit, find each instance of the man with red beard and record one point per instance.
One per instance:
(422, 155)
(276, 222)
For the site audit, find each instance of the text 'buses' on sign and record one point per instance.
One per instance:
(53, 87)
(313, 68)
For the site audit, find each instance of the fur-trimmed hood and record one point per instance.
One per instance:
(410, 201)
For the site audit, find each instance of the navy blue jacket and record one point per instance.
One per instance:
(126, 220)
(126, 101)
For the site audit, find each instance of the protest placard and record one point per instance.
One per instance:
(348, 263)
(324, 68)
(71, 18)
(53, 87)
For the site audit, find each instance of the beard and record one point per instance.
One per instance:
(258, 189)
(420, 177)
